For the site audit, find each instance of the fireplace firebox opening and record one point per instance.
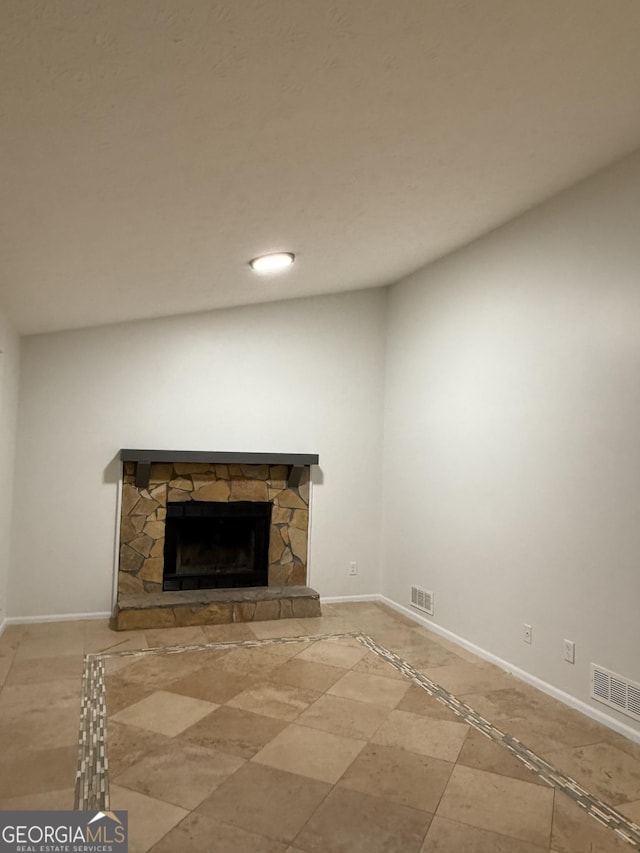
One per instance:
(211, 544)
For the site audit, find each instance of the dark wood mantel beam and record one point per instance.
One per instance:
(296, 462)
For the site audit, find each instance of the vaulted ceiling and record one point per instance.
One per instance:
(151, 148)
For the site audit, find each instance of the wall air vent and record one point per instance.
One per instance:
(616, 691)
(422, 599)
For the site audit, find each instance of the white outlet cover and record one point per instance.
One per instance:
(569, 651)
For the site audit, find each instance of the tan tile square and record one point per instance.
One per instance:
(275, 700)
(179, 772)
(484, 754)
(52, 631)
(392, 635)
(418, 701)
(631, 810)
(24, 698)
(545, 732)
(315, 625)
(370, 688)
(272, 628)
(6, 659)
(351, 609)
(232, 633)
(156, 671)
(45, 801)
(213, 684)
(166, 637)
(149, 819)
(11, 637)
(373, 664)
(255, 662)
(541, 719)
(372, 623)
(288, 650)
(41, 728)
(574, 831)
(352, 822)
(309, 752)
(401, 618)
(234, 731)
(624, 743)
(461, 678)
(499, 804)
(99, 637)
(400, 776)
(266, 801)
(456, 648)
(424, 653)
(119, 694)
(306, 674)
(422, 735)
(332, 609)
(446, 836)
(603, 769)
(36, 670)
(334, 654)
(38, 771)
(199, 833)
(115, 664)
(165, 713)
(416, 648)
(344, 717)
(128, 744)
(483, 705)
(518, 700)
(51, 646)
(115, 645)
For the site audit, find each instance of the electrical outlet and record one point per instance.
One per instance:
(528, 634)
(569, 651)
(353, 568)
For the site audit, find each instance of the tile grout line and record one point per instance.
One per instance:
(596, 808)
(92, 777)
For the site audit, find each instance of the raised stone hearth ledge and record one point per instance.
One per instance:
(214, 607)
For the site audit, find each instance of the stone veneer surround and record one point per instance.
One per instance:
(142, 526)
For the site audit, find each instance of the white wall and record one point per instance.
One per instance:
(299, 376)
(512, 434)
(9, 371)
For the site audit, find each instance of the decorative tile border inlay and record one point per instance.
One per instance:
(604, 814)
(92, 775)
(92, 778)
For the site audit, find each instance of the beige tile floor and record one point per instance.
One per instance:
(305, 747)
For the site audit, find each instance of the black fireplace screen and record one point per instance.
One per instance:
(213, 544)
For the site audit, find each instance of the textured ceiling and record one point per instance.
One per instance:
(151, 148)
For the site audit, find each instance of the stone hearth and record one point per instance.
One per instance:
(145, 494)
(216, 606)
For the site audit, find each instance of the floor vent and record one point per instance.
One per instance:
(616, 691)
(422, 599)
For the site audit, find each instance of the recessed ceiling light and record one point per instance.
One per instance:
(272, 263)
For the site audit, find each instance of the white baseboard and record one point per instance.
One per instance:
(348, 599)
(55, 617)
(523, 675)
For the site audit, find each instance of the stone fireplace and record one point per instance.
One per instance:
(203, 536)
